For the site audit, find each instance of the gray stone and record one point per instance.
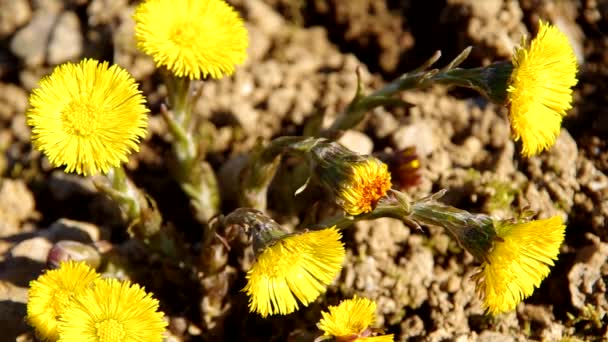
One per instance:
(13, 14)
(66, 229)
(30, 42)
(66, 40)
(357, 141)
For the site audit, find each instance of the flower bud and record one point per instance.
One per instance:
(66, 250)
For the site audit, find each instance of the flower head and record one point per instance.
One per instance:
(297, 266)
(357, 181)
(191, 38)
(520, 260)
(51, 292)
(540, 88)
(87, 116)
(112, 311)
(351, 321)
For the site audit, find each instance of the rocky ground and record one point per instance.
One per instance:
(302, 61)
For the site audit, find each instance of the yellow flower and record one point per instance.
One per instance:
(367, 183)
(520, 260)
(51, 292)
(351, 320)
(191, 38)
(357, 181)
(112, 311)
(87, 116)
(540, 89)
(296, 266)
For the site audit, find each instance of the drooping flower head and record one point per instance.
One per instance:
(520, 259)
(51, 292)
(87, 116)
(540, 88)
(112, 311)
(351, 321)
(191, 38)
(292, 268)
(357, 181)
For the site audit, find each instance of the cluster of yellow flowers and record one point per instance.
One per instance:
(73, 303)
(89, 116)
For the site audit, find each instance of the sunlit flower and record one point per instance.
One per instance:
(520, 260)
(540, 88)
(112, 311)
(351, 321)
(51, 292)
(357, 181)
(297, 266)
(87, 116)
(368, 183)
(191, 38)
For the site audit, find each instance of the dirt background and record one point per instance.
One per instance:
(302, 61)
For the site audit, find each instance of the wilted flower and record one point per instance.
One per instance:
(404, 166)
(112, 311)
(351, 320)
(292, 268)
(540, 88)
(191, 38)
(87, 116)
(520, 259)
(357, 181)
(51, 292)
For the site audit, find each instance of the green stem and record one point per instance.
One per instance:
(195, 176)
(123, 193)
(261, 168)
(361, 104)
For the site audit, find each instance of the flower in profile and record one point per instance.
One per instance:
(291, 268)
(351, 321)
(51, 292)
(358, 182)
(191, 38)
(540, 88)
(112, 311)
(520, 259)
(87, 116)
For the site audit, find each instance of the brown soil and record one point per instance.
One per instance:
(302, 61)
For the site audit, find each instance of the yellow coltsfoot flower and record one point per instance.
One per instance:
(540, 89)
(112, 311)
(51, 292)
(87, 116)
(358, 182)
(351, 321)
(292, 268)
(520, 259)
(367, 183)
(191, 38)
